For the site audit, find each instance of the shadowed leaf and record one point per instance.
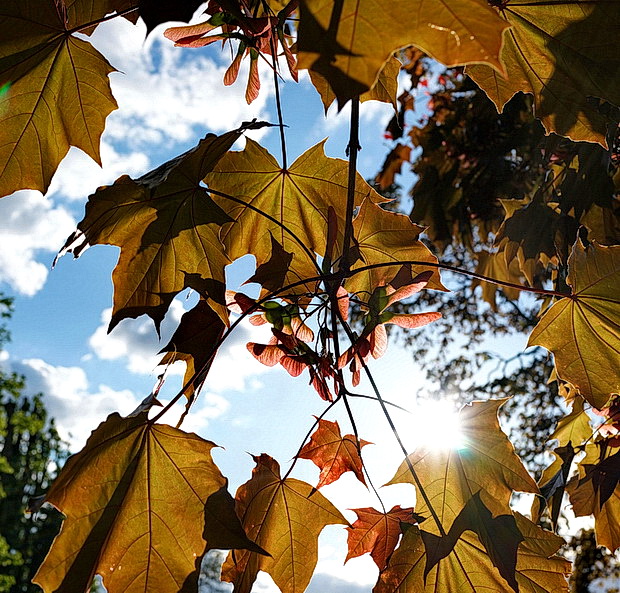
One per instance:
(272, 274)
(300, 197)
(385, 237)
(485, 463)
(348, 42)
(563, 54)
(587, 499)
(195, 342)
(167, 228)
(468, 568)
(498, 534)
(384, 89)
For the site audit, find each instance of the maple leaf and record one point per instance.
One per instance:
(384, 89)
(55, 93)
(572, 430)
(122, 515)
(167, 228)
(486, 464)
(298, 197)
(493, 265)
(527, 234)
(498, 534)
(348, 42)
(469, 569)
(582, 330)
(285, 517)
(383, 237)
(562, 57)
(599, 499)
(333, 453)
(80, 12)
(271, 275)
(378, 533)
(195, 342)
(400, 154)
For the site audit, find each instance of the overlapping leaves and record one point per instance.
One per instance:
(582, 330)
(564, 54)
(469, 568)
(167, 227)
(123, 518)
(348, 42)
(290, 205)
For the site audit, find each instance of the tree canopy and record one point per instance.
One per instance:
(528, 206)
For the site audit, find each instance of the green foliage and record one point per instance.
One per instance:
(30, 453)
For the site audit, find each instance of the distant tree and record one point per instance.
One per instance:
(31, 452)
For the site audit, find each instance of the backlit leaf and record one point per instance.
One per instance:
(55, 93)
(385, 237)
(333, 453)
(299, 197)
(142, 501)
(167, 228)
(468, 568)
(563, 53)
(384, 89)
(485, 463)
(347, 41)
(285, 517)
(493, 265)
(582, 330)
(572, 430)
(378, 533)
(498, 534)
(88, 11)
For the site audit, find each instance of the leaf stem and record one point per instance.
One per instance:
(276, 85)
(352, 149)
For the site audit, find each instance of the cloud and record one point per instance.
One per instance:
(135, 343)
(29, 224)
(168, 93)
(78, 175)
(76, 407)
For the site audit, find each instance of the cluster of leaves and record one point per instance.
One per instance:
(322, 241)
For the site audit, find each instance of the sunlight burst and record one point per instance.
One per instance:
(436, 425)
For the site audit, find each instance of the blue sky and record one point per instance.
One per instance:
(169, 98)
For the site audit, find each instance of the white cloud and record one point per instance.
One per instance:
(76, 407)
(135, 343)
(78, 175)
(29, 223)
(168, 93)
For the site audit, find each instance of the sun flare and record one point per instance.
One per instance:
(436, 426)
